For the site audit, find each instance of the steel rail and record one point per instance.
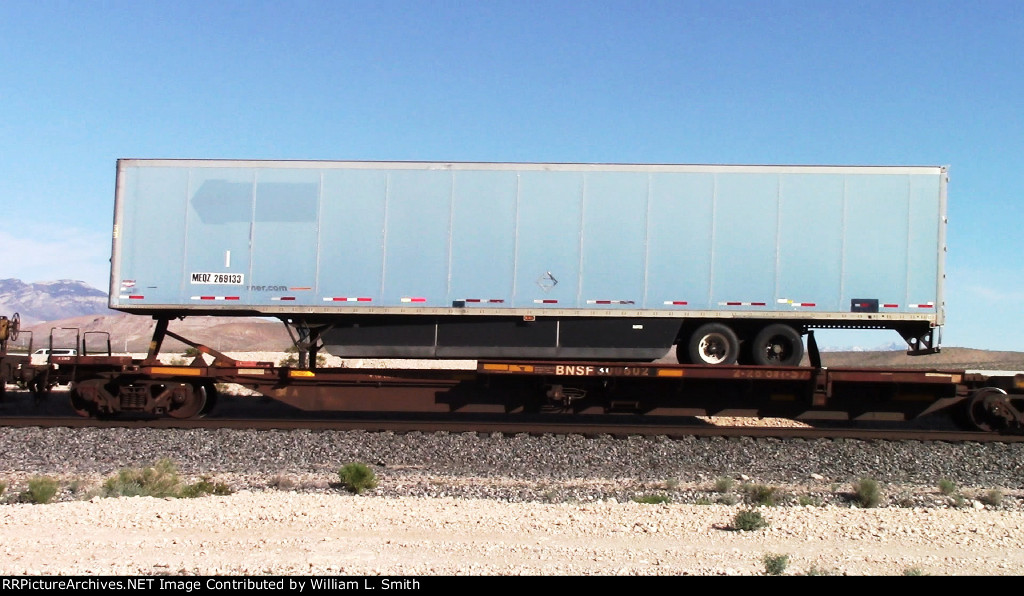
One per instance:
(511, 427)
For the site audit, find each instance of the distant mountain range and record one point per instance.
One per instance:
(50, 300)
(48, 306)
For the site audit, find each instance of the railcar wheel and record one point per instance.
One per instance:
(39, 387)
(84, 395)
(989, 410)
(715, 344)
(778, 345)
(80, 405)
(188, 401)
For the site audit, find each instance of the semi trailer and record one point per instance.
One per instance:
(729, 263)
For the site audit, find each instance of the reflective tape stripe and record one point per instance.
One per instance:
(794, 303)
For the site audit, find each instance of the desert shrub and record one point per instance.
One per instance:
(993, 497)
(160, 480)
(83, 490)
(775, 564)
(815, 571)
(913, 571)
(41, 489)
(809, 501)
(292, 360)
(3, 487)
(282, 482)
(947, 486)
(703, 501)
(652, 499)
(204, 487)
(867, 493)
(357, 478)
(723, 484)
(728, 499)
(759, 494)
(749, 520)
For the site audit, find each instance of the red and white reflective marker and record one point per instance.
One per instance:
(794, 303)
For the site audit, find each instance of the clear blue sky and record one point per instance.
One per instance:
(783, 82)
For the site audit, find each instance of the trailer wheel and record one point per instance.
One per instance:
(211, 399)
(778, 345)
(714, 343)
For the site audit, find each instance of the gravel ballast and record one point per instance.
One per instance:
(492, 504)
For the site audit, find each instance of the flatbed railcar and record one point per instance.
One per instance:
(122, 386)
(733, 264)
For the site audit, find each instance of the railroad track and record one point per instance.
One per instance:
(487, 425)
(20, 409)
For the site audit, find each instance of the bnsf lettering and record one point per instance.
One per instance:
(577, 371)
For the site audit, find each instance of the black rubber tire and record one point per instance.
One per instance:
(777, 345)
(212, 395)
(713, 344)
